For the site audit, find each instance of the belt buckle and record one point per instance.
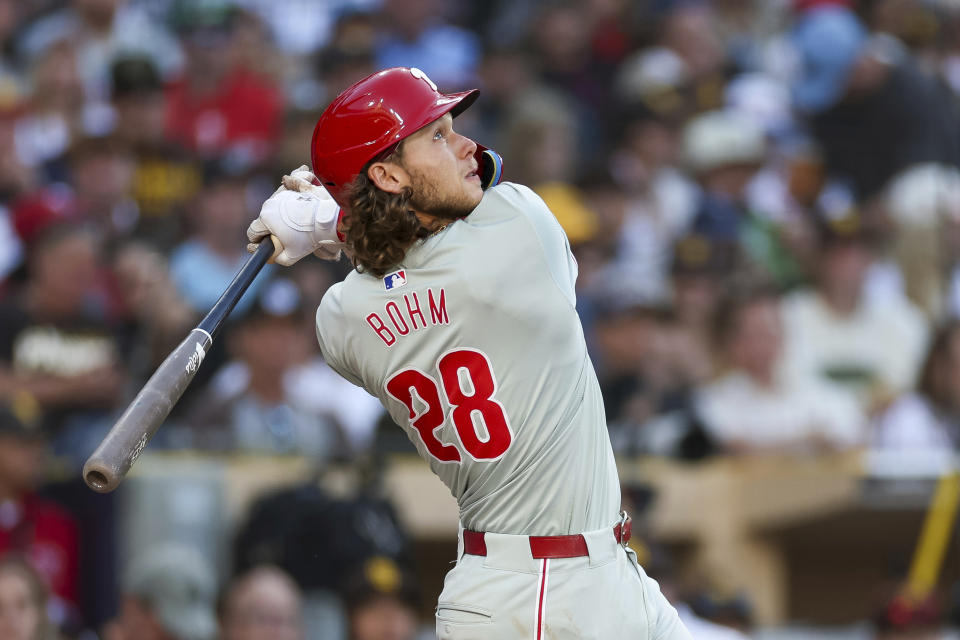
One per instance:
(624, 517)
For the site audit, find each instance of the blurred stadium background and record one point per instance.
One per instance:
(764, 200)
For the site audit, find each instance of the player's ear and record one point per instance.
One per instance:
(388, 176)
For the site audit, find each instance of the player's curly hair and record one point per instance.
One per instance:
(381, 226)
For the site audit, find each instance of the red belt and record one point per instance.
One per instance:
(574, 546)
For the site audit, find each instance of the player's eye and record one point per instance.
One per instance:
(438, 134)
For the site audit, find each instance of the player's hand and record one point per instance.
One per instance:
(302, 218)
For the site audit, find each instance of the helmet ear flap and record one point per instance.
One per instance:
(490, 167)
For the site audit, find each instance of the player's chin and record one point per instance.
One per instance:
(472, 190)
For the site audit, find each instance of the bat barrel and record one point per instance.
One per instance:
(107, 466)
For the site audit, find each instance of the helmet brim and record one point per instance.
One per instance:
(462, 101)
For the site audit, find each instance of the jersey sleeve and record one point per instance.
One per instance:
(332, 336)
(510, 200)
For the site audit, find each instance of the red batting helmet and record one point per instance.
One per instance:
(372, 116)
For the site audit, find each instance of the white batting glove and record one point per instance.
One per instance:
(302, 218)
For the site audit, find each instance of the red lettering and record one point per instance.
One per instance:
(413, 312)
(438, 310)
(381, 329)
(397, 318)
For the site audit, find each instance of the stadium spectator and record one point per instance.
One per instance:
(698, 277)
(59, 342)
(12, 81)
(853, 86)
(23, 602)
(153, 312)
(205, 262)
(101, 172)
(647, 373)
(16, 177)
(262, 604)
(786, 415)
(96, 193)
(872, 343)
(540, 130)
(168, 593)
(928, 418)
(414, 33)
(269, 398)
(165, 176)
(689, 29)
(685, 69)
(38, 530)
(561, 40)
(648, 204)
(101, 30)
(725, 150)
(350, 54)
(50, 119)
(381, 601)
(217, 106)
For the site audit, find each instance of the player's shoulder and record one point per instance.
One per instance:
(331, 313)
(355, 288)
(509, 199)
(513, 190)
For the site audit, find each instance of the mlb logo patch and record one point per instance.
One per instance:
(395, 280)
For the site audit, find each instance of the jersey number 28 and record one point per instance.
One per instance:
(468, 383)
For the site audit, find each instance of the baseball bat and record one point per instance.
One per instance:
(121, 447)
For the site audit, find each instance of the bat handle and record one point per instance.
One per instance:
(214, 319)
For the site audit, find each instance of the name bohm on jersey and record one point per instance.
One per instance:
(406, 314)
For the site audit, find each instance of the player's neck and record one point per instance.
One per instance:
(431, 223)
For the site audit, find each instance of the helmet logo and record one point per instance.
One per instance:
(417, 73)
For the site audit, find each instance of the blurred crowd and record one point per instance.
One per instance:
(763, 197)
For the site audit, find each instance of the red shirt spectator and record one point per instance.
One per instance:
(244, 111)
(47, 536)
(31, 526)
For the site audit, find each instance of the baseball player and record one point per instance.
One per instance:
(460, 318)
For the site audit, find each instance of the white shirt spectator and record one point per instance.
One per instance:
(791, 416)
(315, 395)
(318, 389)
(878, 347)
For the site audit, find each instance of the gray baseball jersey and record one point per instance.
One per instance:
(475, 348)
